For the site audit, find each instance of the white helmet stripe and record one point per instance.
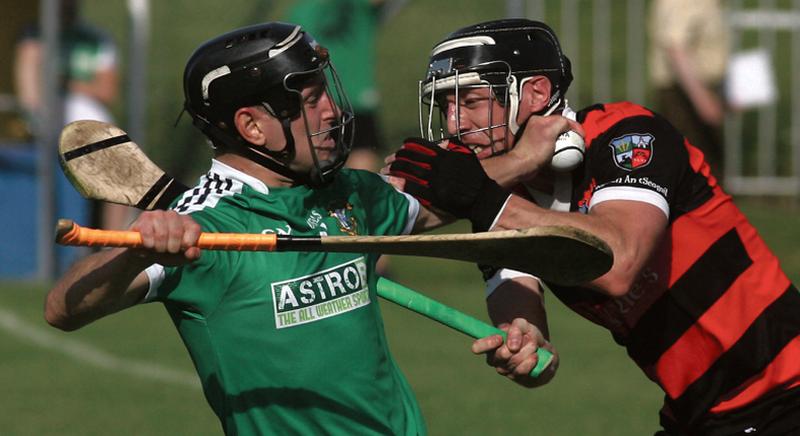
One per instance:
(211, 76)
(462, 42)
(465, 79)
(286, 43)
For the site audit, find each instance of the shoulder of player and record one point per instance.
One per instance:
(599, 118)
(359, 179)
(605, 122)
(214, 195)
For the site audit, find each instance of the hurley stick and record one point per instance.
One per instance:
(104, 164)
(510, 248)
(446, 315)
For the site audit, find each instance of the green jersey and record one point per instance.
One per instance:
(291, 343)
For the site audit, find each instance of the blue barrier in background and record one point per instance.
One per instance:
(18, 212)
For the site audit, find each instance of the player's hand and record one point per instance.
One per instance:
(535, 147)
(400, 182)
(516, 357)
(450, 179)
(168, 238)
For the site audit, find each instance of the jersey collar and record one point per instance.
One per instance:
(567, 112)
(228, 172)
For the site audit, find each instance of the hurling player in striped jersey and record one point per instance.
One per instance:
(694, 295)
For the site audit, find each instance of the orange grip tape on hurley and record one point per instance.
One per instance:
(69, 233)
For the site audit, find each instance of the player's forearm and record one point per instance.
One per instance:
(532, 152)
(508, 170)
(98, 285)
(519, 213)
(631, 244)
(428, 219)
(518, 298)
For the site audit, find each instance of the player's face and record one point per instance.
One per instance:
(480, 120)
(320, 116)
(311, 130)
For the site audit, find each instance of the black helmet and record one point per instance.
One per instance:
(498, 54)
(268, 65)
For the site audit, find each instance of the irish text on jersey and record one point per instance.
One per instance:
(321, 295)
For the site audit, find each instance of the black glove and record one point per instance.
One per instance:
(452, 180)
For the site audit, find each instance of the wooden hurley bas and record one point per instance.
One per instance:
(559, 255)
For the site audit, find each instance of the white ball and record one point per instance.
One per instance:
(569, 151)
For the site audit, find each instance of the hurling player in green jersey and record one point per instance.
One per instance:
(284, 343)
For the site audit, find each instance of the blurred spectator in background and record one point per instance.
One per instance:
(348, 29)
(88, 70)
(688, 57)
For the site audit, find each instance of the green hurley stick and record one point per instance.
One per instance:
(410, 299)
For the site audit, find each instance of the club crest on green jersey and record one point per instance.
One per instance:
(632, 151)
(344, 219)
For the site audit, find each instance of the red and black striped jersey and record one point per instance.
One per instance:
(712, 317)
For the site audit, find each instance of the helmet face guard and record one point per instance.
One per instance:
(440, 86)
(499, 56)
(341, 130)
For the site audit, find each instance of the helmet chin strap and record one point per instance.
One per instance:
(318, 178)
(545, 112)
(315, 177)
(266, 158)
(514, 99)
(270, 159)
(513, 103)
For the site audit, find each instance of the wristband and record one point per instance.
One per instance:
(503, 275)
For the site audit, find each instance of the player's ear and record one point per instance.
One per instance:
(536, 93)
(249, 122)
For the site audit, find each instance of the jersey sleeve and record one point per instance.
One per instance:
(198, 286)
(503, 275)
(389, 211)
(640, 158)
